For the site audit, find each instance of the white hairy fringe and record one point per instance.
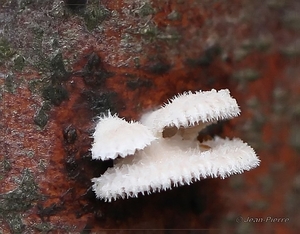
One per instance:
(189, 109)
(168, 162)
(115, 137)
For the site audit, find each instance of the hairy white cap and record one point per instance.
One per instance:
(190, 109)
(169, 162)
(115, 137)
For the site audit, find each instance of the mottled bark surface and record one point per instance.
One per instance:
(61, 65)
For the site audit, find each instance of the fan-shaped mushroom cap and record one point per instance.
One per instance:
(191, 109)
(171, 162)
(114, 136)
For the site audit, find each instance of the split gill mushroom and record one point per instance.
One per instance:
(174, 156)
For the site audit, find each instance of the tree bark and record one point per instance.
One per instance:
(63, 63)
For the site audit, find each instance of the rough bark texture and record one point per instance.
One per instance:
(64, 63)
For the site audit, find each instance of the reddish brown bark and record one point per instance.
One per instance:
(61, 66)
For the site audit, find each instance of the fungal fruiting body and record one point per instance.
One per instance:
(165, 163)
(192, 110)
(115, 137)
(176, 157)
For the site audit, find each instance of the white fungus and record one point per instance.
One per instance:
(189, 109)
(175, 157)
(165, 163)
(115, 137)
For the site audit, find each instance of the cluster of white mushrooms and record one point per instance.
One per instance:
(161, 150)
